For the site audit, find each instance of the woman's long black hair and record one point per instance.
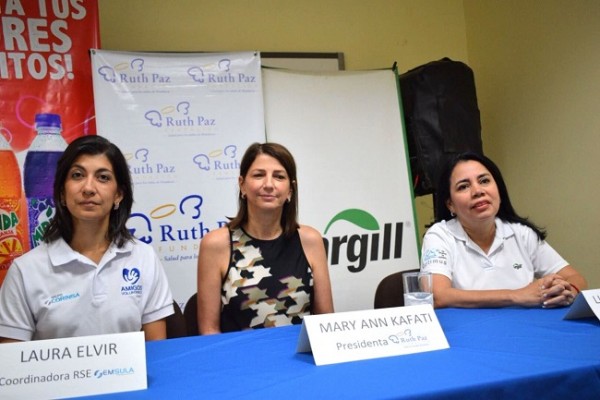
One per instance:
(505, 213)
(61, 224)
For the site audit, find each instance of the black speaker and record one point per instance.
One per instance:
(441, 118)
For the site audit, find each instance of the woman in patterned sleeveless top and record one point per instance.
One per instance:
(262, 269)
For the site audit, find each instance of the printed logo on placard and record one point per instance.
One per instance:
(406, 337)
(407, 333)
(376, 244)
(101, 373)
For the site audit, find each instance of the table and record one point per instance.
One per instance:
(511, 353)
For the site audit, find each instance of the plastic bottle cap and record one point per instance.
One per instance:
(47, 120)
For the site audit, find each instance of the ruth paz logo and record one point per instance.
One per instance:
(131, 72)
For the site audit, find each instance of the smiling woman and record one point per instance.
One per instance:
(482, 253)
(263, 269)
(89, 264)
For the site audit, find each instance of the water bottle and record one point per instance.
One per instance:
(39, 170)
(13, 209)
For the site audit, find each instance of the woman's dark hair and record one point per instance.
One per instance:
(506, 211)
(289, 216)
(62, 223)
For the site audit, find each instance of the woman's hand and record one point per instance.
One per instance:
(531, 295)
(551, 291)
(556, 291)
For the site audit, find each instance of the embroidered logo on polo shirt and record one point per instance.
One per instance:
(59, 298)
(435, 256)
(517, 266)
(131, 278)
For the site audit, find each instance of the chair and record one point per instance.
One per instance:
(390, 291)
(176, 326)
(190, 314)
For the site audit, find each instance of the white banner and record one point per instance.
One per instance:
(345, 132)
(183, 121)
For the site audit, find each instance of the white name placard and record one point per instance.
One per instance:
(79, 366)
(587, 304)
(360, 335)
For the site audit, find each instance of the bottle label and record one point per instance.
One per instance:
(11, 245)
(41, 211)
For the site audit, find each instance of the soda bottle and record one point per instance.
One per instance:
(39, 170)
(13, 209)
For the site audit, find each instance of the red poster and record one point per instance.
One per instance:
(45, 69)
(45, 66)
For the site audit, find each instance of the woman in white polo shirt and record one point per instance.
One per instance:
(482, 253)
(90, 276)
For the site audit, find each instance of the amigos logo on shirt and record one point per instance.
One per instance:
(131, 278)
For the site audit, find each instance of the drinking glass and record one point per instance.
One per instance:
(417, 288)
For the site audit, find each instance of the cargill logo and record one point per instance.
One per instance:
(377, 244)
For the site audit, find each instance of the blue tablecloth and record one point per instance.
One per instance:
(510, 353)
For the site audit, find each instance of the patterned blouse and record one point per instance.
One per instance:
(268, 283)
